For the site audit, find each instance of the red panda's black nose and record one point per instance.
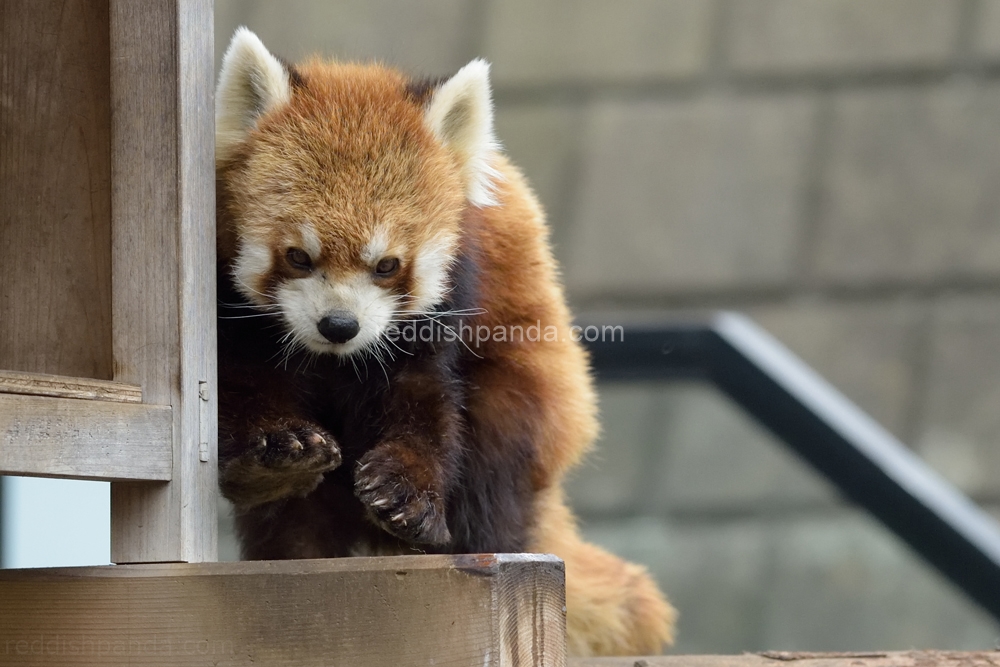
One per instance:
(339, 326)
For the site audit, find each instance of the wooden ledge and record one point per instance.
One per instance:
(45, 436)
(39, 384)
(805, 659)
(496, 609)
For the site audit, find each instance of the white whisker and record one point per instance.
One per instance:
(250, 288)
(244, 317)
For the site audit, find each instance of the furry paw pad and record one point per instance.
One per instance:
(281, 462)
(386, 487)
(297, 448)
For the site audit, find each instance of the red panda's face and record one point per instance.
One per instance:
(345, 216)
(341, 197)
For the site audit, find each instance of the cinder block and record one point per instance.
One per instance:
(830, 582)
(869, 351)
(987, 31)
(716, 458)
(910, 189)
(542, 140)
(544, 41)
(425, 37)
(717, 575)
(848, 584)
(960, 426)
(612, 478)
(769, 36)
(689, 194)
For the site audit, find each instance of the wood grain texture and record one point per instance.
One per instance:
(163, 239)
(500, 611)
(196, 204)
(55, 238)
(802, 659)
(59, 386)
(66, 437)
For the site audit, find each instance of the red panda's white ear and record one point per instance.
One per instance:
(460, 114)
(251, 82)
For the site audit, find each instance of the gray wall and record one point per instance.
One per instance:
(830, 167)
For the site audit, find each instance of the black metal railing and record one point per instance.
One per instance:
(867, 463)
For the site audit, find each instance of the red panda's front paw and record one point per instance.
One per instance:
(297, 447)
(401, 495)
(287, 460)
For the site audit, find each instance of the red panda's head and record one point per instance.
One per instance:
(341, 189)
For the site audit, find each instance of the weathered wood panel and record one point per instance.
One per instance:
(59, 386)
(803, 659)
(490, 610)
(163, 204)
(68, 437)
(55, 216)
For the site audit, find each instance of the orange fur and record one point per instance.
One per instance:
(351, 152)
(613, 607)
(420, 193)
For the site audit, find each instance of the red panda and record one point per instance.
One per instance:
(375, 251)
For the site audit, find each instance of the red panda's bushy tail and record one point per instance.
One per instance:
(613, 607)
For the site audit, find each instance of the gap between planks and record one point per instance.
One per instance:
(58, 386)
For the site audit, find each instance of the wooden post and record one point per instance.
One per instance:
(503, 610)
(163, 265)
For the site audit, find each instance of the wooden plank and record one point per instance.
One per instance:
(491, 610)
(66, 437)
(163, 225)
(804, 659)
(55, 217)
(197, 462)
(59, 386)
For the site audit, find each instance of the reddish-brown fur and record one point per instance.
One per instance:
(477, 440)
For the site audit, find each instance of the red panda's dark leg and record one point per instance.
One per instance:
(492, 509)
(405, 480)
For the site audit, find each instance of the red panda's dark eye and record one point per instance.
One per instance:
(387, 267)
(299, 259)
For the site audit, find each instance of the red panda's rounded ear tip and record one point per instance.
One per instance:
(477, 66)
(243, 37)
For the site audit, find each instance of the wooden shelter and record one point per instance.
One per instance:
(108, 372)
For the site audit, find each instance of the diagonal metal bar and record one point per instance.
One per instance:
(866, 462)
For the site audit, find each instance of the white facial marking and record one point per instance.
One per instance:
(305, 301)
(377, 247)
(310, 241)
(252, 264)
(431, 267)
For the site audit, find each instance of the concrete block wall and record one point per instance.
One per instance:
(830, 167)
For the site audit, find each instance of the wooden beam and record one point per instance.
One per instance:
(805, 659)
(503, 610)
(67, 437)
(163, 265)
(59, 386)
